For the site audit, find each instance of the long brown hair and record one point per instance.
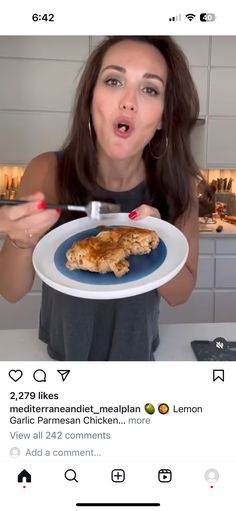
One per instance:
(168, 178)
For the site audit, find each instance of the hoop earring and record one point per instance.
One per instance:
(90, 129)
(162, 154)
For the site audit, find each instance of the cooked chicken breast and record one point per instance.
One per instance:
(107, 252)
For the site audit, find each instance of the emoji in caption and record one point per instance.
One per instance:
(149, 408)
(163, 408)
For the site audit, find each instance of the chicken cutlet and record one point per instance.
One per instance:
(109, 249)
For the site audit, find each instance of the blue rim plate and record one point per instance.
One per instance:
(147, 272)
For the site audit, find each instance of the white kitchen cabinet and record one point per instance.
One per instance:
(214, 298)
(200, 78)
(39, 77)
(19, 145)
(206, 272)
(206, 246)
(226, 264)
(46, 47)
(37, 285)
(221, 149)
(200, 306)
(198, 145)
(23, 314)
(198, 309)
(196, 49)
(226, 272)
(222, 104)
(29, 92)
(225, 305)
(222, 91)
(223, 51)
(226, 246)
(95, 40)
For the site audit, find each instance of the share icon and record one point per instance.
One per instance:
(64, 373)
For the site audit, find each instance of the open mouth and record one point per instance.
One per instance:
(123, 127)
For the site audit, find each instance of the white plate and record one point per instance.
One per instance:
(147, 272)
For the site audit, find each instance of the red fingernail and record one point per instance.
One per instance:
(58, 210)
(133, 214)
(41, 205)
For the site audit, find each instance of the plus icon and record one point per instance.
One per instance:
(118, 475)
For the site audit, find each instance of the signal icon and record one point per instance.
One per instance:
(190, 17)
(175, 18)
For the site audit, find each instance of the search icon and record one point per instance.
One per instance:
(70, 475)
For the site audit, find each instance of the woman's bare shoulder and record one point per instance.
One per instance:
(40, 176)
(45, 158)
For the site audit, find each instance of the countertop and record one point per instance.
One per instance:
(174, 345)
(229, 230)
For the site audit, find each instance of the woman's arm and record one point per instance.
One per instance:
(16, 268)
(178, 290)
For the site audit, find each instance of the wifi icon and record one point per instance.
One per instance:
(190, 17)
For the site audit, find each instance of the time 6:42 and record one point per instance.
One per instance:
(43, 17)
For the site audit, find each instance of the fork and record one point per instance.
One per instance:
(93, 209)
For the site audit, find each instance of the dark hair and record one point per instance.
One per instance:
(169, 179)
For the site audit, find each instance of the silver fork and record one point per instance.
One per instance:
(93, 209)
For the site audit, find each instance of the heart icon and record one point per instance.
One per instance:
(15, 375)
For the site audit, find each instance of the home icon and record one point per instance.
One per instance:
(24, 476)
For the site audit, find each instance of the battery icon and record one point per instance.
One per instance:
(207, 16)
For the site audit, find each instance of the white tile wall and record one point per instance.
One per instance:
(25, 134)
(22, 86)
(196, 49)
(221, 147)
(222, 91)
(40, 74)
(200, 77)
(223, 51)
(45, 47)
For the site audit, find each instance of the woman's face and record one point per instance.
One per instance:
(128, 99)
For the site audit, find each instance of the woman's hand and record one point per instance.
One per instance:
(26, 223)
(142, 211)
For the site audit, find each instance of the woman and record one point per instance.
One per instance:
(129, 142)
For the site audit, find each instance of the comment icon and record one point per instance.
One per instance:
(40, 375)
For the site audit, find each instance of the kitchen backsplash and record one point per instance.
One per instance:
(220, 191)
(223, 179)
(224, 174)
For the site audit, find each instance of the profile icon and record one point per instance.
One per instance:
(14, 452)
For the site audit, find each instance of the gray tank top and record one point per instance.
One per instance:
(120, 329)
